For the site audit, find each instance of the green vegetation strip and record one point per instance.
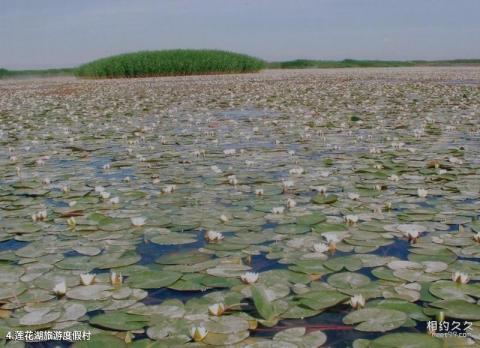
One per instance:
(198, 62)
(170, 62)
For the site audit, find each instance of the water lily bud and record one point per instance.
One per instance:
(286, 184)
(71, 222)
(291, 203)
(476, 237)
(422, 193)
(216, 309)
(60, 288)
(116, 278)
(87, 278)
(357, 301)
(393, 177)
(198, 333)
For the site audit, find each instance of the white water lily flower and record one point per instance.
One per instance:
(60, 288)
(232, 180)
(169, 188)
(351, 219)
(229, 151)
(105, 195)
(213, 236)
(116, 278)
(46, 181)
(138, 221)
(291, 152)
(320, 247)
(198, 153)
(357, 301)
(296, 171)
(216, 309)
(442, 171)
(87, 278)
(71, 222)
(249, 277)
(411, 231)
(107, 166)
(455, 160)
(40, 162)
(320, 189)
(291, 203)
(114, 200)
(249, 163)
(65, 189)
(198, 333)
(332, 240)
(13, 158)
(259, 192)
(476, 237)
(72, 203)
(353, 196)
(216, 170)
(378, 166)
(278, 210)
(460, 277)
(99, 189)
(422, 193)
(374, 150)
(224, 218)
(286, 184)
(40, 216)
(126, 179)
(393, 177)
(387, 206)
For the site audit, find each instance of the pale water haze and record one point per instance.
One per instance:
(65, 33)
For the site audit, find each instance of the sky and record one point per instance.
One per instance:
(65, 33)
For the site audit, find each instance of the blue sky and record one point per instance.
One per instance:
(62, 33)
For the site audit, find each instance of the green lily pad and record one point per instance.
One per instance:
(324, 199)
(459, 309)
(262, 303)
(406, 340)
(152, 279)
(120, 321)
(348, 280)
(100, 341)
(376, 319)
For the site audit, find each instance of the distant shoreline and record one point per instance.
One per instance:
(292, 64)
